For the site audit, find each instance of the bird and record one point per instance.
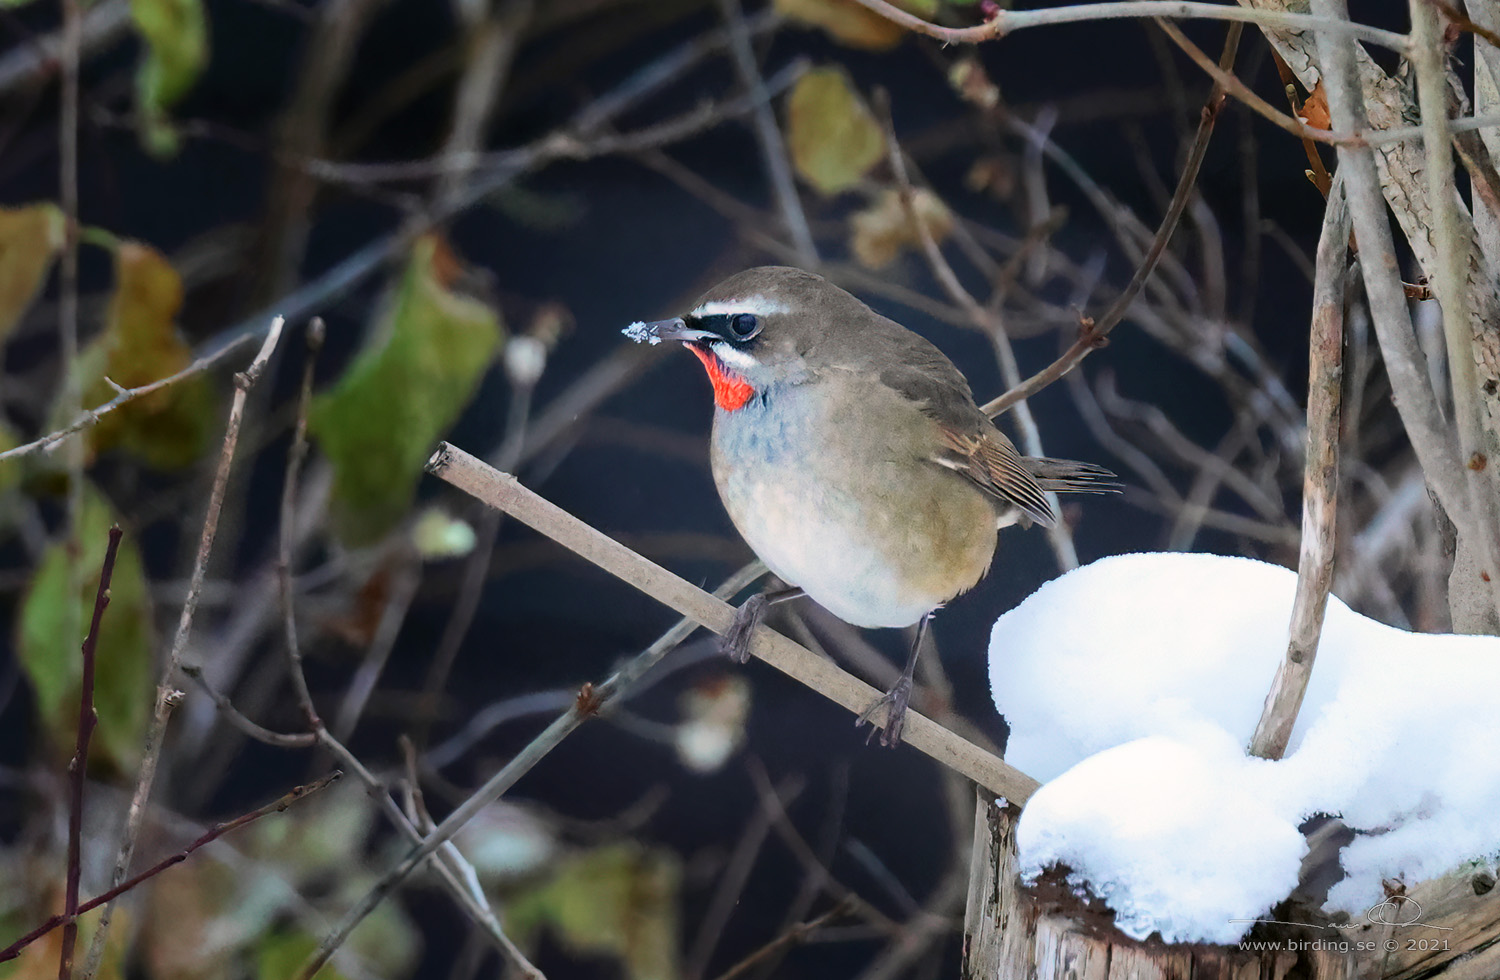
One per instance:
(851, 456)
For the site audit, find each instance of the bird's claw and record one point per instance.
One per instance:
(896, 700)
(747, 617)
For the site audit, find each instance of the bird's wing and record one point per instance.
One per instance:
(970, 443)
(991, 463)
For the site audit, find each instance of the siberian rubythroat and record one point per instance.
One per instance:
(851, 456)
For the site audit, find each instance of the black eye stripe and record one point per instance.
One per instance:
(736, 328)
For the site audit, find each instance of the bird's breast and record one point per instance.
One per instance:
(840, 500)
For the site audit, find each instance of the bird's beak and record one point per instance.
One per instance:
(656, 331)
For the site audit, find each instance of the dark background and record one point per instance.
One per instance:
(612, 241)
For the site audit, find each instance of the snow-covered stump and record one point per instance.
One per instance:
(1011, 932)
(1132, 687)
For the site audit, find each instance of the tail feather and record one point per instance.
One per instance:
(1071, 476)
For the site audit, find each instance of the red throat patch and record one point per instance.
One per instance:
(731, 391)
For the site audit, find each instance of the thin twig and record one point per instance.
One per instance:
(23, 65)
(237, 718)
(91, 417)
(490, 51)
(1320, 484)
(479, 913)
(773, 149)
(735, 874)
(405, 578)
(296, 455)
(1092, 333)
(575, 141)
(1003, 22)
(78, 768)
(591, 700)
(794, 936)
(477, 565)
(167, 694)
(1300, 129)
(212, 834)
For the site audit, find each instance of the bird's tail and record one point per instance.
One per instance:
(1071, 475)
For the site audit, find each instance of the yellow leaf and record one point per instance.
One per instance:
(30, 239)
(882, 230)
(167, 428)
(851, 24)
(845, 21)
(833, 137)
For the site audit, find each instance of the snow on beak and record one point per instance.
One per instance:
(656, 331)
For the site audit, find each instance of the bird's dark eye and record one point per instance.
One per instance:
(744, 325)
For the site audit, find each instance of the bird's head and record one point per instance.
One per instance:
(755, 331)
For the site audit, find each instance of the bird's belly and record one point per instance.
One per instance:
(876, 544)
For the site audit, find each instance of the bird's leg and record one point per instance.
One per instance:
(747, 617)
(897, 697)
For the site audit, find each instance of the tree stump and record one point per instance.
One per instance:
(1448, 928)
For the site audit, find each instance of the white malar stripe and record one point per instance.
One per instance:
(732, 355)
(758, 305)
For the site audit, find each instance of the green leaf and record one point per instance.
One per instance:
(30, 239)
(166, 429)
(61, 598)
(176, 37)
(618, 901)
(833, 137)
(378, 424)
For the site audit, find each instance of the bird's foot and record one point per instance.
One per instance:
(736, 643)
(895, 701)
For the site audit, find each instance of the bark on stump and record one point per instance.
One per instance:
(1012, 932)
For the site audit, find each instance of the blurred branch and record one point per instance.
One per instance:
(1092, 333)
(590, 701)
(214, 833)
(794, 936)
(78, 768)
(167, 695)
(491, 47)
(125, 396)
(477, 910)
(1003, 22)
(773, 149)
(576, 140)
(36, 61)
(327, 54)
(1320, 485)
(736, 872)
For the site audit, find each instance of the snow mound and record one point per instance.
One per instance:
(1132, 686)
